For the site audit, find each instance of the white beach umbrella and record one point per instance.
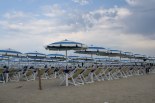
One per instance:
(55, 56)
(10, 52)
(93, 50)
(139, 56)
(66, 45)
(127, 55)
(35, 56)
(114, 53)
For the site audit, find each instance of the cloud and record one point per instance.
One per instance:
(82, 2)
(142, 20)
(121, 28)
(132, 2)
(52, 10)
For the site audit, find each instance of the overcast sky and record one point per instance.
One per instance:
(127, 25)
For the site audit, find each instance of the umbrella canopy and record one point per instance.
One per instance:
(127, 55)
(3, 58)
(66, 45)
(139, 56)
(93, 50)
(151, 58)
(35, 55)
(73, 57)
(56, 56)
(114, 53)
(10, 52)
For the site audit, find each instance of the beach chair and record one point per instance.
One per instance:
(60, 73)
(106, 73)
(87, 75)
(28, 75)
(74, 77)
(115, 72)
(43, 73)
(98, 74)
(13, 75)
(50, 73)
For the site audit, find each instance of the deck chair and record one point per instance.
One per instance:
(74, 77)
(60, 73)
(106, 73)
(98, 74)
(43, 74)
(50, 73)
(13, 75)
(28, 75)
(124, 72)
(87, 75)
(115, 72)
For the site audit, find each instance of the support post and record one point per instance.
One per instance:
(40, 86)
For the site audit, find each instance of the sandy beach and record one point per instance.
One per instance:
(137, 89)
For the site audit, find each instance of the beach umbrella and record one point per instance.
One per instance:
(55, 56)
(73, 57)
(139, 56)
(66, 45)
(127, 55)
(151, 59)
(101, 59)
(93, 50)
(3, 57)
(114, 53)
(35, 56)
(10, 53)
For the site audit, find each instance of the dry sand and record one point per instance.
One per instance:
(137, 89)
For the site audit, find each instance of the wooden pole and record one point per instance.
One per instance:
(40, 86)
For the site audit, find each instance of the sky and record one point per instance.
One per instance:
(30, 25)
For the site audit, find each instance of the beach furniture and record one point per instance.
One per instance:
(50, 73)
(13, 75)
(28, 74)
(106, 73)
(98, 74)
(74, 77)
(43, 73)
(87, 75)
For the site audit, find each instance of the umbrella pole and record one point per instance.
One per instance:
(66, 70)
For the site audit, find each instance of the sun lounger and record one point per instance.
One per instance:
(74, 77)
(13, 75)
(87, 75)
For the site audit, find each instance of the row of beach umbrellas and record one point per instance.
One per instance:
(80, 48)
